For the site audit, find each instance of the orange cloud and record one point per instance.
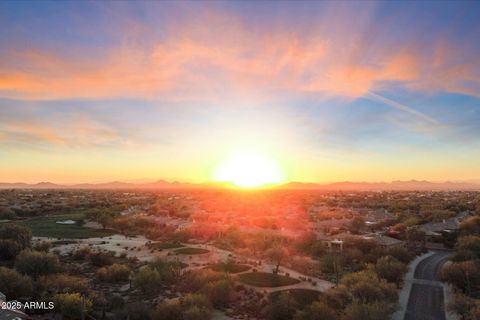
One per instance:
(73, 131)
(197, 61)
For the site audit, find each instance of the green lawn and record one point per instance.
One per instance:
(303, 297)
(47, 227)
(164, 245)
(264, 279)
(189, 251)
(229, 267)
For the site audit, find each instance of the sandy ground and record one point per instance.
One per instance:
(132, 246)
(136, 247)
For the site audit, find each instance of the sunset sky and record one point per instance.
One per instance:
(327, 91)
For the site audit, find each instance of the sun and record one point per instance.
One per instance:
(249, 170)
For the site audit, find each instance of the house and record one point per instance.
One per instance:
(448, 225)
(436, 228)
(387, 242)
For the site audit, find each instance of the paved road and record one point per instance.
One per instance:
(429, 268)
(426, 301)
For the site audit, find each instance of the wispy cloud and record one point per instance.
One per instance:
(192, 60)
(402, 107)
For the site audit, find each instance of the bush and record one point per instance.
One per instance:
(20, 234)
(43, 246)
(196, 313)
(367, 311)
(71, 305)
(35, 263)
(197, 300)
(467, 248)
(195, 280)
(6, 213)
(14, 285)
(219, 293)
(168, 311)
(391, 269)
(134, 311)
(148, 280)
(401, 254)
(317, 311)
(464, 275)
(100, 259)
(116, 302)
(168, 271)
(81, 254)
(63, 283)
(114, 273)
(9, 249)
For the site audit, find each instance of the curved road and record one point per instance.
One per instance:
(426, 300)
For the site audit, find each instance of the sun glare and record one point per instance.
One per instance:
(249, 170)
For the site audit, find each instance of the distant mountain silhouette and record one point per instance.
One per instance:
(394, 185)
(345, 185)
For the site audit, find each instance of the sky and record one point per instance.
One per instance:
(330, 91)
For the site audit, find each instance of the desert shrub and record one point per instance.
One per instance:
(9, 249)
(196, 313)
(195, 280)
(6, 213)
(401, 254)
(13, 284)
(43, 246)
(100, 259)
(317, 311)
(62, 283)
(35, 263)
(148, 280)
(219, 292)
(168, 311)
(20, 234)
(114, 273)
(81, 254)
(71, 305)
(391, 269)
(366, 311)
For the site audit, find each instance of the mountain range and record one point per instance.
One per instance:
(345, 186)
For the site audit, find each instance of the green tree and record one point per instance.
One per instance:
(72, 306)
(334, 264)
(281, 307)
(367, 311)
(148, 280)
(6, 213)
(357, 225)
(401, 254)
(168, 311)
(196, 313)
(464, 275)
(219, 292)
(276, 255)
(471, 226)
(465, 307)
(35, 263)
(14, 285)
(390, 269)
(317, 311)
(467, 248)
(20, 234)
(62, 283)
(114, 273)
(9, 249)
